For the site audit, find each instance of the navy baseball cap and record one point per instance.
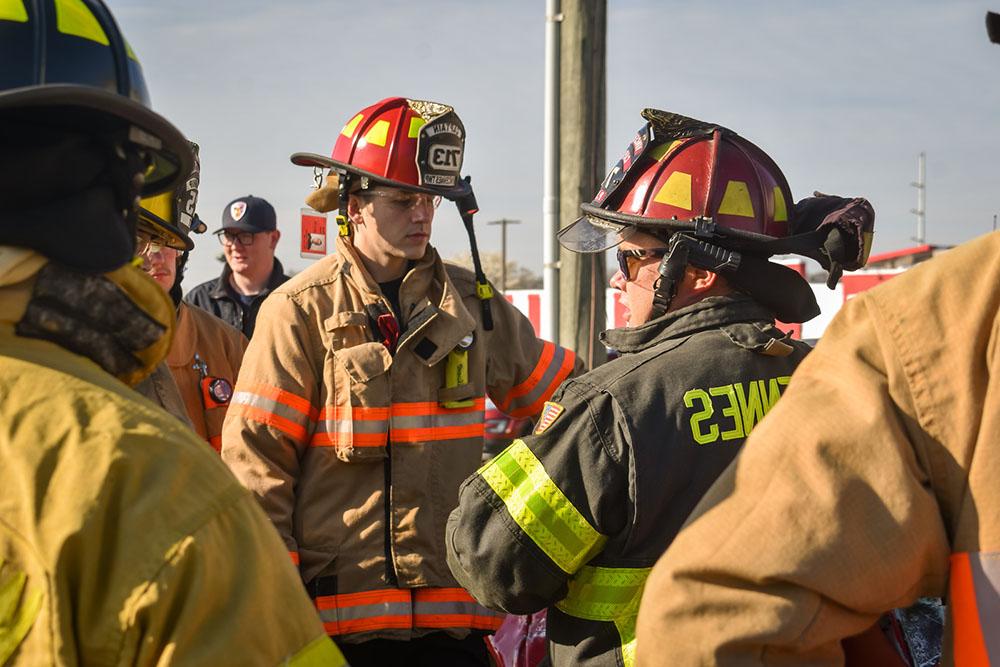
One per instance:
(249, 214)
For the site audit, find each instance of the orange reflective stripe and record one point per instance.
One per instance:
(969, 642)
(526, 399)
(472, 621)
(548, 351)
(355, 439)
(442, 595)
(216, 442)
(406, 422)
(344, 600)
(404, 608)
(428, 421)
(294, 555)
(562, 372)
(431, 408)
(440, 433)
(286, 426)
(283, 397)
(290, 414)
(452, 608)
(369, 610)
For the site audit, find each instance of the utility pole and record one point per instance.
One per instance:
(582, 119)
(920, 210)
(550, 180)
(503, 248)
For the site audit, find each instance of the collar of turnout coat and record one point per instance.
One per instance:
(709, 313)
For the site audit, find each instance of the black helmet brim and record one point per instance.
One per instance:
(94, 111)
(316, 160)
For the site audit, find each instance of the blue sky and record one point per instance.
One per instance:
(843, 95)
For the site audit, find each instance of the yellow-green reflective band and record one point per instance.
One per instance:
(73, 18)
(609, 594)
(13, 10)
(604, 593)
(626, 630)
(320, 652)
(542, 511)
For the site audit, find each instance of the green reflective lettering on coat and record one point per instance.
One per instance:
(730, 411)
(697, 418)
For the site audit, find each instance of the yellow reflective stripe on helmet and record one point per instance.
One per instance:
(541, 510)
(378, 134)
(780, 209)
(73, 18)
(610, 594)
(320, 652)
(736, 200)
(161, 205)
(415, 124)
(676, 191)
(13, 10)
(129, 52)
(352, 125)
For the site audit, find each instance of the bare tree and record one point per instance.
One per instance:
(518, 277)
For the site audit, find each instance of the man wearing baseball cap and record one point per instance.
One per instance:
(249, 236)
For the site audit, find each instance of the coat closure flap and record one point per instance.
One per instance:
(444, 324)
(364, 361)
(346, 318)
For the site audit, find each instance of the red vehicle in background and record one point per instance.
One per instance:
(501, 429)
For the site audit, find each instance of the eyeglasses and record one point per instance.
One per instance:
(404, 201)
(149, 245)
(624, 257)
(229, 238)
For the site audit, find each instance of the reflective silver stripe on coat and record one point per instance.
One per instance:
(272, 406)
(438, 420)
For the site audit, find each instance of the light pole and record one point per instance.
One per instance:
(503, 248)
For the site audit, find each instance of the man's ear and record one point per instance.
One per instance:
(701, 280)
(275, 238)
(354, 205)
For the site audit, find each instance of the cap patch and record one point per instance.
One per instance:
(550, 413)
(237, 210)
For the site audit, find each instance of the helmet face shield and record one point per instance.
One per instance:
(591, 234)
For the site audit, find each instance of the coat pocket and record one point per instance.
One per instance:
(358, 428)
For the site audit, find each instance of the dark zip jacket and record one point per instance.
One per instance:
(221, 299)
(574, 516)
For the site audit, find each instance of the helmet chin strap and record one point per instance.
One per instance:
(467, 207)
(684, 249)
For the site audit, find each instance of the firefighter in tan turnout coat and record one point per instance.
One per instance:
(359, 407)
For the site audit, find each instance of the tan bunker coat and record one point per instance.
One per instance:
(873, 482)
(357, 453)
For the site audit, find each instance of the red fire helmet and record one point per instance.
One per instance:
(410, 144)
(679, 173)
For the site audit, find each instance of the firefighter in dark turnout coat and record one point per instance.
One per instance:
(573, 517)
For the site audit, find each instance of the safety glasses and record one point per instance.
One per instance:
(149, 245)
(405, 201)
(626, 257)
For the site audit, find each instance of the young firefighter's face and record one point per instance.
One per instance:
(393, 224)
